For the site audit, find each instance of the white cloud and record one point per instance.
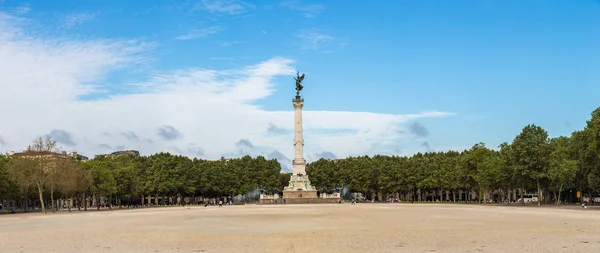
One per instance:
(230, 43)
(22, 9)
(9, 26)
(16, 10)
(200, 33)
(76, 19)
(312, 39)
(308, 10)
(192, 111)
(225, 6)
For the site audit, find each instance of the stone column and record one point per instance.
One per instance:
(299, 163)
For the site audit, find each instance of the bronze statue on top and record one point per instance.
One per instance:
(299, 86)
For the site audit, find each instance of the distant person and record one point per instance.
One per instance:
(353, 201)
(220, 203)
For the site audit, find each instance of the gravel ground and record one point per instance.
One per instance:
(307, 228)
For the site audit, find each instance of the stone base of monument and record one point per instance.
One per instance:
(293, 201)
(300, 194)
(312, 201)
(300, 191)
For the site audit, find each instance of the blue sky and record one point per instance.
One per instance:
(487, 67)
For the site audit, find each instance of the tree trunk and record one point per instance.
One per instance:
(521, 194)
(484, 195)
(539, 192)
(558, 195)
(39, 186)
(52, 198)
(85, 202)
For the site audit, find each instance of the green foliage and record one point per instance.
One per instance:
(531, 161)
(7, 186)
(531, 152)
(284, 179)
(563, 169)
(104, 183)
(586, 150)
(323, 174)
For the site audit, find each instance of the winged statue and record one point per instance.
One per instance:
(299, 79)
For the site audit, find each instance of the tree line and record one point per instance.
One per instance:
(531, 163)
(42, 177)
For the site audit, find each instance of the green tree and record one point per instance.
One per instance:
(489, 173)
(35, 168)
(104, 183)
(563, 168)
(5, 182)
(586, 146)
(322, 174)
(531, 152)
(284, 179)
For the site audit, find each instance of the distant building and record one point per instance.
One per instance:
(222, 159)
(120, 153)
(46, 154)
(126, 152)
(79, 157)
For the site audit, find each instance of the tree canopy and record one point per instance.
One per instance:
(531, 163)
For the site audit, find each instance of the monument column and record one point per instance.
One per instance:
(299, 163)
(299, 189)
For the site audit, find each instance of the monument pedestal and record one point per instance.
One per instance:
(300, 191)
(299, 187)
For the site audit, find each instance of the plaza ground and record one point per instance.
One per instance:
(307, 228)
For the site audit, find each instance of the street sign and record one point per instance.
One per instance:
(578, 194)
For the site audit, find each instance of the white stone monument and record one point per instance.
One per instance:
(299, 189)
(299, 186)
(299, 163)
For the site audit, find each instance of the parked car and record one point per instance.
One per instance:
(529, 198)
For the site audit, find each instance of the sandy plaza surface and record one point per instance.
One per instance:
(307, 228)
